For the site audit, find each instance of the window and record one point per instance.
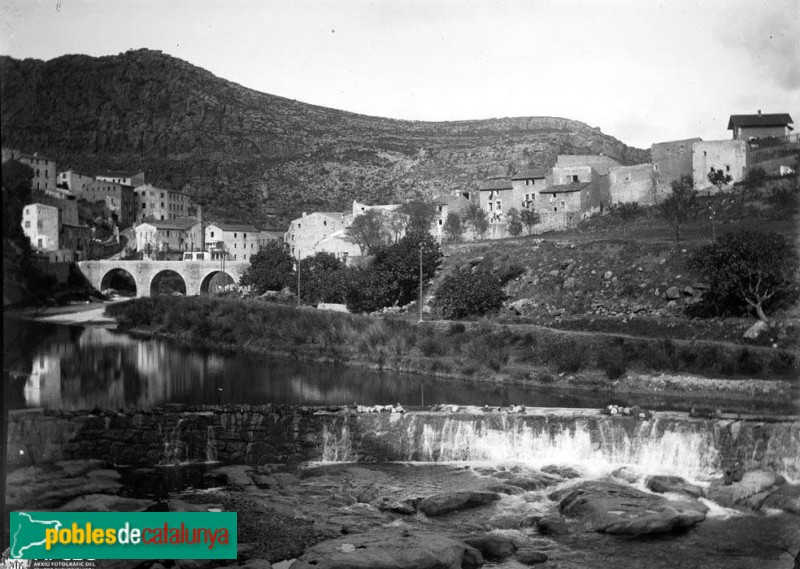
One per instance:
(162, 197)
(235, 235)
(212, 234)
(234, 245)
(727, 168)
(27, 225)
(574, 178)
(555, 209)
(244, 235)
(162, 205)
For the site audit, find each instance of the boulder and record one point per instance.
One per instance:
(106, 503)
(567, 472)
(391, 549)
(609, 507)
(673, 293)
(662, 484)
(607, 275)
(522, 305)
(528, 481)
(786, 498)
(747, 492)
(492, 545)
(446, 502)
(756, 330)
(529, 556)
(549, 525)
(405, 507)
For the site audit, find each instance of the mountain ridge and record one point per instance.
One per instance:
(259, 156)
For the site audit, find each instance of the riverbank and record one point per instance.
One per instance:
(532, 356)
(85, 314)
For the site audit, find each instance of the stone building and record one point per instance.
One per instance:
(41, 225)
(67, 206)
(671, 160)
(496, 195)
(168, 236)
(525, 184)
(160, 203)
(730, 156)
(74, 181)
(748, 127)
(444, 206)
(44, 169)
(563, 205)
(118, 198)
(631, 184)
(571, 169)
(305, 232)
(239, 241)
(125, 177)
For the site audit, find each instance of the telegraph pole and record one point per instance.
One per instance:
(298, 277)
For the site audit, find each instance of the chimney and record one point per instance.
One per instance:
(304, 214)
(759, 112)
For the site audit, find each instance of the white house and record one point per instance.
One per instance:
(41, 225)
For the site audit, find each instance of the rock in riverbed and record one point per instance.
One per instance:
(609, 507)
(446, 502)
(391, 549)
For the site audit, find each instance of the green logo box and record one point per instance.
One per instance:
(122, 535)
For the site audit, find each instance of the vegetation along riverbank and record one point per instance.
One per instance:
(481, 351)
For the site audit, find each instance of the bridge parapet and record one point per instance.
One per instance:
(195, 274)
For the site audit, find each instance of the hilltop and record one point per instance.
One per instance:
(254, 155)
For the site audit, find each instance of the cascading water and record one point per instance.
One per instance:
(693, 449)
(189, 441)
(211, 445)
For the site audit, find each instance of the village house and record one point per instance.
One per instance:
(44, 169)
(631, 184)
(74, 181)
(445, 205)
(41, 225)
(239, 241)
(730, 156)
(160, 203)
(305, 232)
(749, 127)
(118, 198)
(525, 184)
(68, 206)
(168, 236)
(495, 195)
(125, 177)
(671, 160)
(563, 205)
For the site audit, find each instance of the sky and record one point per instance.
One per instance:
(643, 71)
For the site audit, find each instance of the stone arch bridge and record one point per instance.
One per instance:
(196, 275)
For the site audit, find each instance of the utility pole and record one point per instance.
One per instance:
(420, 281)
(298, 277)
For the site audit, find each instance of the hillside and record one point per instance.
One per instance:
(255, 155)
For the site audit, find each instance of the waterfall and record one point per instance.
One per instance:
(191, 440)
(211, 445)
(594, 444)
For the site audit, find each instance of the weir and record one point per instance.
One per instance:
(670, 443)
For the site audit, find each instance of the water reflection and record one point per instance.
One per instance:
(71, 367)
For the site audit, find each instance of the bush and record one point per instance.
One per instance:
(613, 360)
(464, 293)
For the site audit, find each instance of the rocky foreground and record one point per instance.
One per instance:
(442, 516)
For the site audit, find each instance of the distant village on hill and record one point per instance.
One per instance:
(116, 214)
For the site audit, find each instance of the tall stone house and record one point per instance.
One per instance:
(160, 203)
(44, 169)
(671, 160)
(748, 127)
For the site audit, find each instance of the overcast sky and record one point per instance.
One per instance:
(643, 71)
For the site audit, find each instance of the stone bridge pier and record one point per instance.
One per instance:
(196, 275)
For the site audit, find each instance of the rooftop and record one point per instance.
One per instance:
(234, 226)
(494, 184)
(776, 119)
(566, 188)
(120, 173)
(181, 223)
(528, 174)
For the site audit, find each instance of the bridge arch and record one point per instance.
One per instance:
(167, 281)
(120, 280)
(214, 280)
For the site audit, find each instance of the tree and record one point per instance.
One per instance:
(477, 219)
(719, 178)
(322, 279)
(420, 214)
(272, 268)
(396, 223)
(453, 227)
(369, 231)
(400, 263)
(16, 181)
(464, 293)
(677, 206)
(749, 271)
(514, 222)
(530, 218)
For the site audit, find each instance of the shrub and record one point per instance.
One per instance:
(613, 360)
(464, 293)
